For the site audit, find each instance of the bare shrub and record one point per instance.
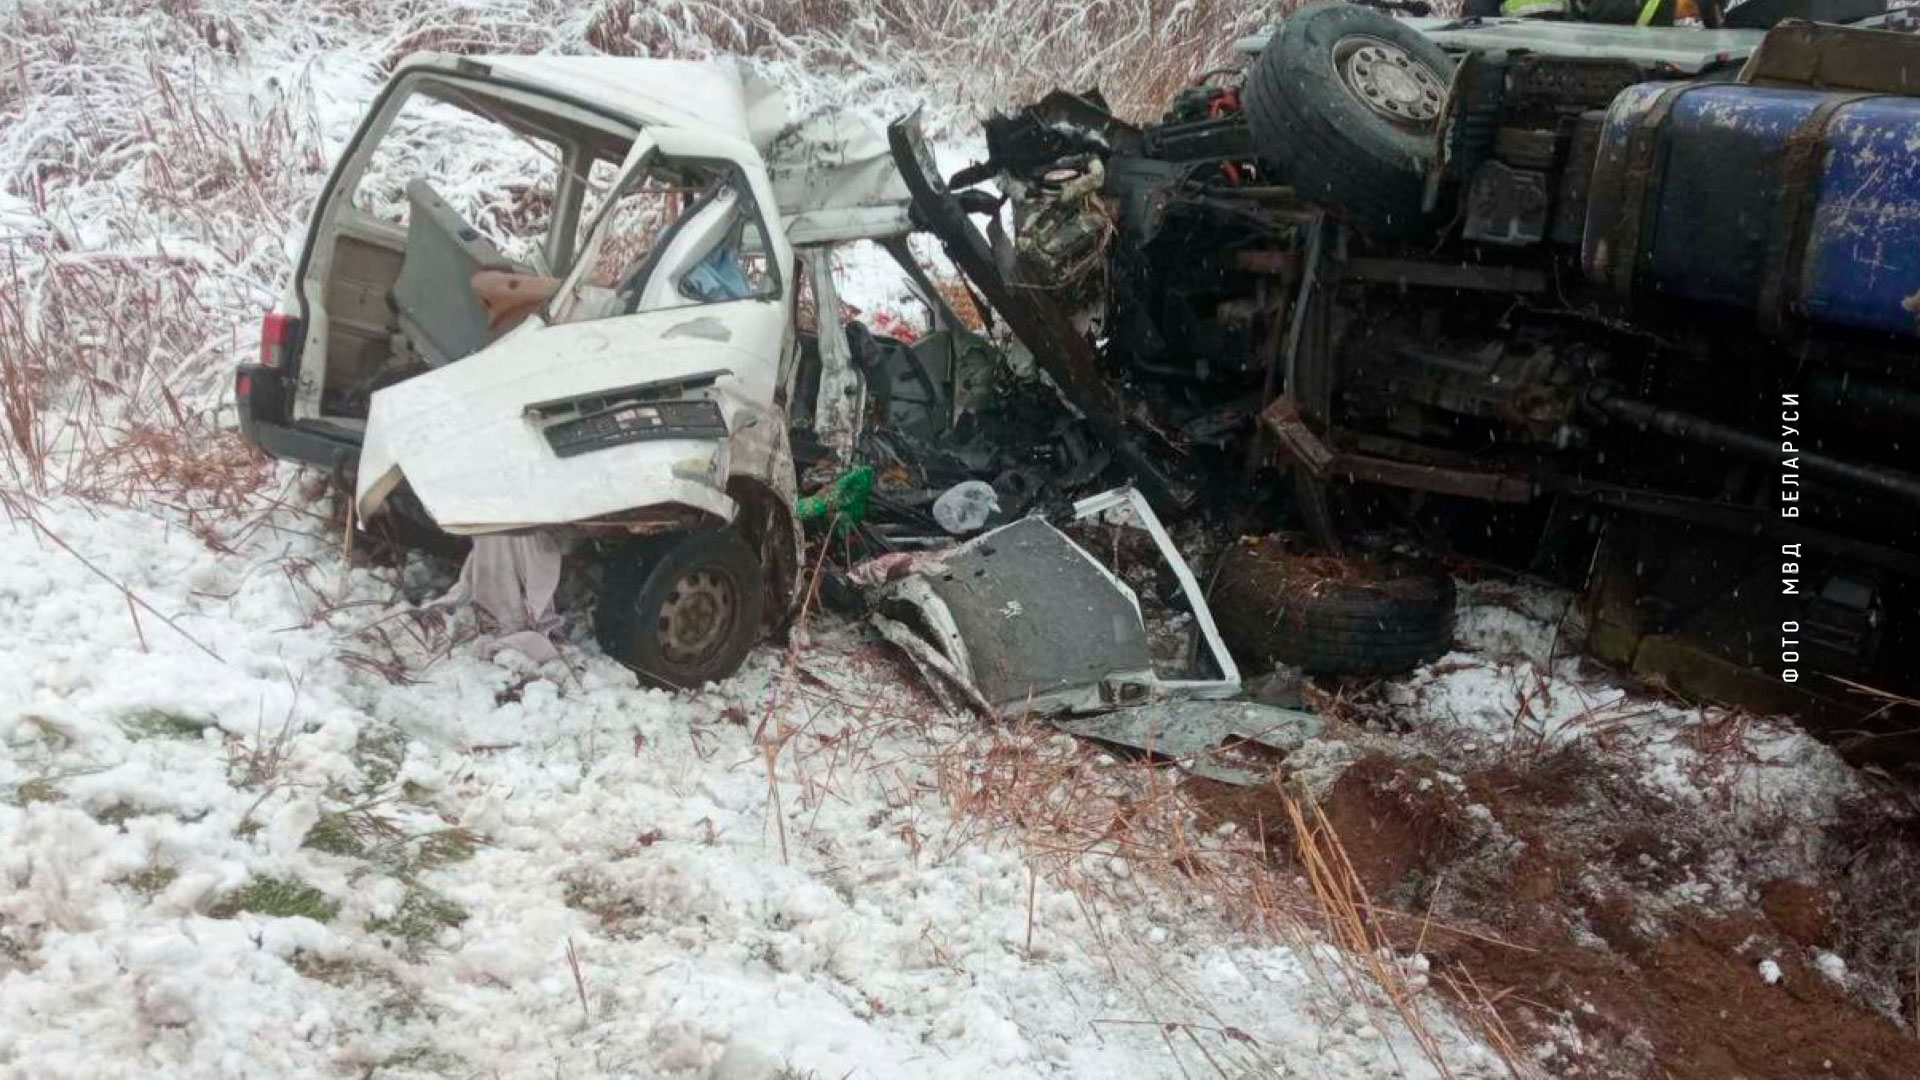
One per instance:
(141, 208)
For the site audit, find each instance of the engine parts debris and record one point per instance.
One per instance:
(1023, 620)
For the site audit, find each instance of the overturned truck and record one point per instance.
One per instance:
(1633, 309)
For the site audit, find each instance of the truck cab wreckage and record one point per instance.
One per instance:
(1628, 309)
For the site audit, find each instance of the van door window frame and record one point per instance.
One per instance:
(316, 248)
(749, 210)
(566, 299)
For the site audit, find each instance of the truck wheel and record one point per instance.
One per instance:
(1346, 100)
(1353, 615)
(681, 610)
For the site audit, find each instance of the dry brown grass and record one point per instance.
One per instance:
(1078, 814)
(141, 248)
(982, 53)
(1350, 920)
(96, 352)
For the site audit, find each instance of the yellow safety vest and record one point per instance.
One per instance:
(1524, 9)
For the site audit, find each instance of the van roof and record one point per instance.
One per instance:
(705, 94)
(831, 170)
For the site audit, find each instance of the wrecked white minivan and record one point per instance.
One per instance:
(562, 296)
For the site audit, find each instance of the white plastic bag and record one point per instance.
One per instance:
(964, 507)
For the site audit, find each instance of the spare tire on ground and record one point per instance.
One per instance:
(1347, 100)
(1331, 615)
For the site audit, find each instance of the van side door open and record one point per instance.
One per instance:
(633, 390)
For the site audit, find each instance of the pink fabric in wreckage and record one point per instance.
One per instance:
(512, 580)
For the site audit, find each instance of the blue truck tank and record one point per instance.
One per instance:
(1789, 202)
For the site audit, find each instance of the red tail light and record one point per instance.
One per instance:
(277, 332)
(243, 386)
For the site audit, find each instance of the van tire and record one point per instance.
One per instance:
(1333, 148)
(1351, 615)
(681, 610)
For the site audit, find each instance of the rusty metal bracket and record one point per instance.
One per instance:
(1282, 418)
(1800, 164)
(1299, 443)
(1644, 161)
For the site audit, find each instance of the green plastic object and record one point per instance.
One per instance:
(844, 500)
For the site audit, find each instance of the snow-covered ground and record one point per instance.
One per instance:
(229, 849)
(257, 820)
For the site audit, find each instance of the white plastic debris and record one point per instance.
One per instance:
(1831, 966)
(965, 507)
(1769, 972)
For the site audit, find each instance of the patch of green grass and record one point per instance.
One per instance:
(422, 915)
(153, 880)
(367, 832)
(449, 845)
(335, 834)
(38, 790)
(379, 755)
(159, 723)
(424, 1059)
(280, 897)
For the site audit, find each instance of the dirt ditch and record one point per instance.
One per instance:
(1628, 931)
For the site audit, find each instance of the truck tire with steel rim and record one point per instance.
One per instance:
(1346, 100)
(681, 610)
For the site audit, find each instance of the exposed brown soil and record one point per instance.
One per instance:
(1801, 912)
(1400, 825)
(1551, 882)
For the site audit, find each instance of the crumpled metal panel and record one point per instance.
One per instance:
(1042, 622)
(1234, 742)
(1024, 619)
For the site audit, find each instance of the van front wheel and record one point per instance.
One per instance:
(683, 609)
